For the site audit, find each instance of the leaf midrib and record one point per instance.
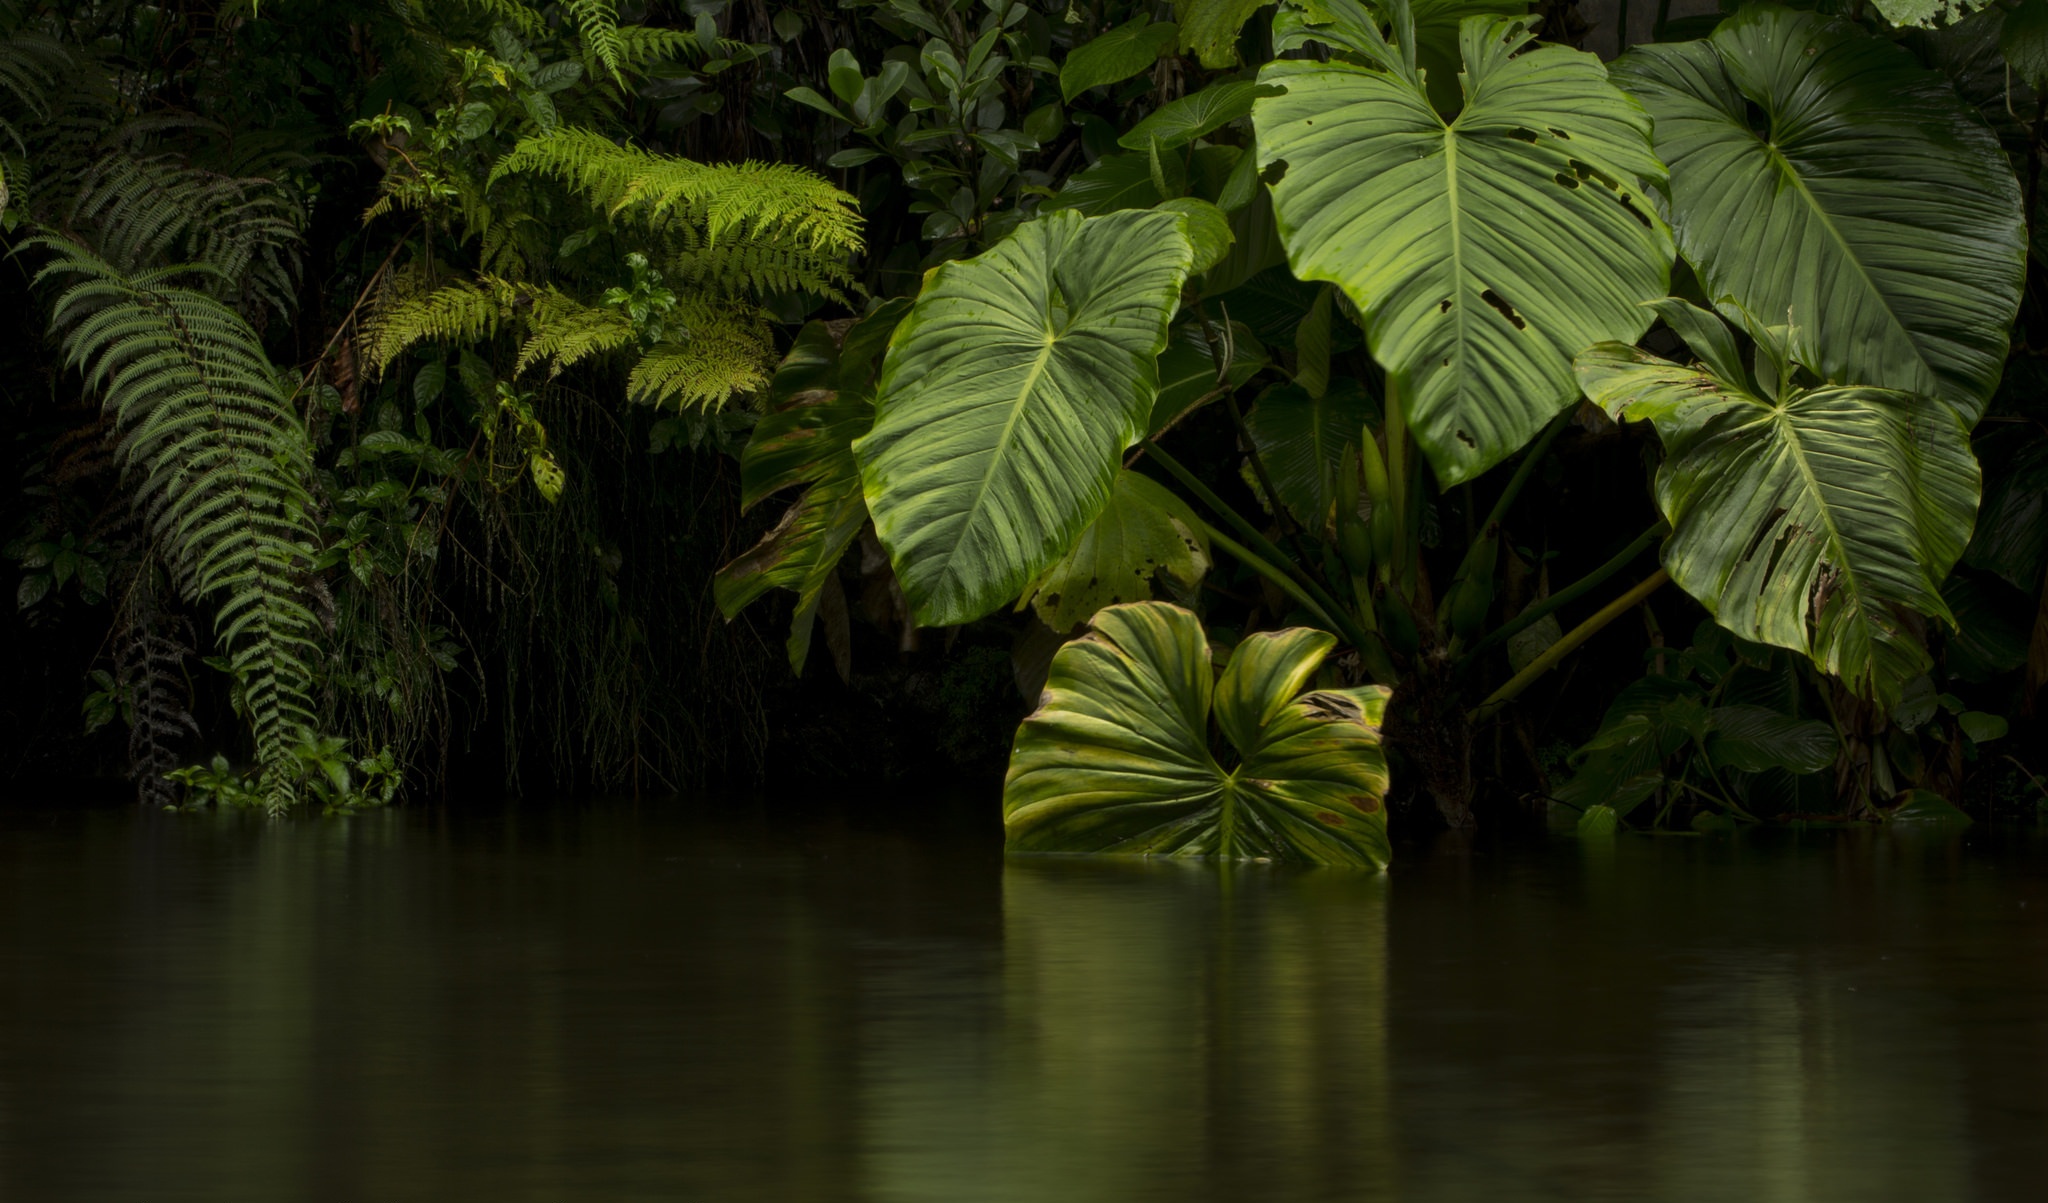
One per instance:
(1796, 451)
(1785, 167)
(1002, 446)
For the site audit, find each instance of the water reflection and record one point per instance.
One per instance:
(1149, 1031)
(663, 1003)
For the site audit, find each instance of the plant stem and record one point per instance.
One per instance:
(1242, 525)
(1286, 583)
(1220, 358)
(1568, 644)
(1270, 560)
(1563, 597)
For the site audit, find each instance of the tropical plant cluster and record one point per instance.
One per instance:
(1304, 410)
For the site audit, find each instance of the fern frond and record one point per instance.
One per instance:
(559, 328)
(565, 331)
(138, 211)
(464, 313)
(642, 46)
(526, 21)
(219, 464)
(598, 22)
(749, 199)
(757, 266)
(728, 352)
(30, 66)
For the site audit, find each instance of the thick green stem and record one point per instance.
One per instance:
(1563, 597)
(1272, 572)
(1269, 556)
(1334, 619)
(1567, 645)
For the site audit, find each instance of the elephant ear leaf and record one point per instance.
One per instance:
(1117, 757)
(1873, 211)
(1484, 251)
(1143, 530)
(1823, 521)
(1009, 393)
(820, 400)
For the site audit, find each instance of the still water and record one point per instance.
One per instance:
(683, 1002)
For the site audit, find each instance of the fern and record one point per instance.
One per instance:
(559, 329)
(598, 22)
(565, 331)
(751, 199)
(727, 354)
(139, 211)
(465, 313)
(218, 462)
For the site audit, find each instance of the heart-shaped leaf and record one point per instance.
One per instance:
(1485, 250)
(1822, 521)
(1009, 393)
(1823, 179)
(1116, 759)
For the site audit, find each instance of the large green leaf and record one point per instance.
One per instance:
(1115, 182)
(1144, 529)
(1116, 759)
(1484, 251)
(1821, 522)
(1115, 55)
(821, 399)
(1182, 121)
(1009, 392)
(1302, 440)
(1872, 212)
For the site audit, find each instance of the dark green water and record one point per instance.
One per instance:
(666, 1002)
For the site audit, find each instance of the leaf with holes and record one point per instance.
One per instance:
(1823, 521)
(1484, 251)
(1821, 178)
(1143, 530)
(1117, 758)
(1009, 393)
(821, 399)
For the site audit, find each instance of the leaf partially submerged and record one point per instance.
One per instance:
(1009, 393)
(1823, 522)
(1117, 758)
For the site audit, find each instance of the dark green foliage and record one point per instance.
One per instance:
(446, 348)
